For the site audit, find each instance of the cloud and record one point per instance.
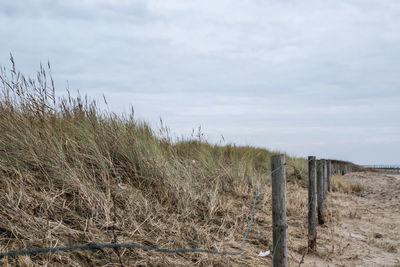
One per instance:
(268, 73)
(75, 10)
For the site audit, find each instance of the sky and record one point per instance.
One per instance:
(317, 77)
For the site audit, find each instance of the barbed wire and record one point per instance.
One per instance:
(302, 257)
(287, 225)
(254, 205)
(92, 246)
(277, 243)
(303, 167)
(309, 203)
(110, 245)
(308, 211)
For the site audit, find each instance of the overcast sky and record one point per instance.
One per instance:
(316, 77)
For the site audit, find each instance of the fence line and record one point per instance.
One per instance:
(94, 246)
(324, 176)
(386, 167)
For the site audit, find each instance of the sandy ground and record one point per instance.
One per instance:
(363, 229)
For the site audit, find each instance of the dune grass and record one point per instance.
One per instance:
(339, 184)
(73, 174)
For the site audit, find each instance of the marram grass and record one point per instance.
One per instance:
(71, 174)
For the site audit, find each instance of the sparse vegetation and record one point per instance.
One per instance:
(71, 174)
(339, 184)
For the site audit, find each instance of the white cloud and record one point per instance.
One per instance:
(282, 74)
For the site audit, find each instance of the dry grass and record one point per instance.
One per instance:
(339, 184)
(71, 174)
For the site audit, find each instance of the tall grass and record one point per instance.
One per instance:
(72, 174)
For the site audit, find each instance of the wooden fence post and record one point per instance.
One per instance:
(320, 192)
(279, 210)
(312, 200)
(329, 174)
(325, 176)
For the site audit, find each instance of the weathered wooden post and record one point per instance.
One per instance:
(335, 168)
(325, 176)
(329, 166)
(312, 200)
(279, 210)
(320, 192)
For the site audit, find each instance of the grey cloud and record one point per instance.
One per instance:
(76, 10)
(267, 73)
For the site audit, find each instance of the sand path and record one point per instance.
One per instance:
(362, 229)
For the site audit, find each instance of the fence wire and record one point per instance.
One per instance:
(306, 217)
(287, 226)
(93, 246)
